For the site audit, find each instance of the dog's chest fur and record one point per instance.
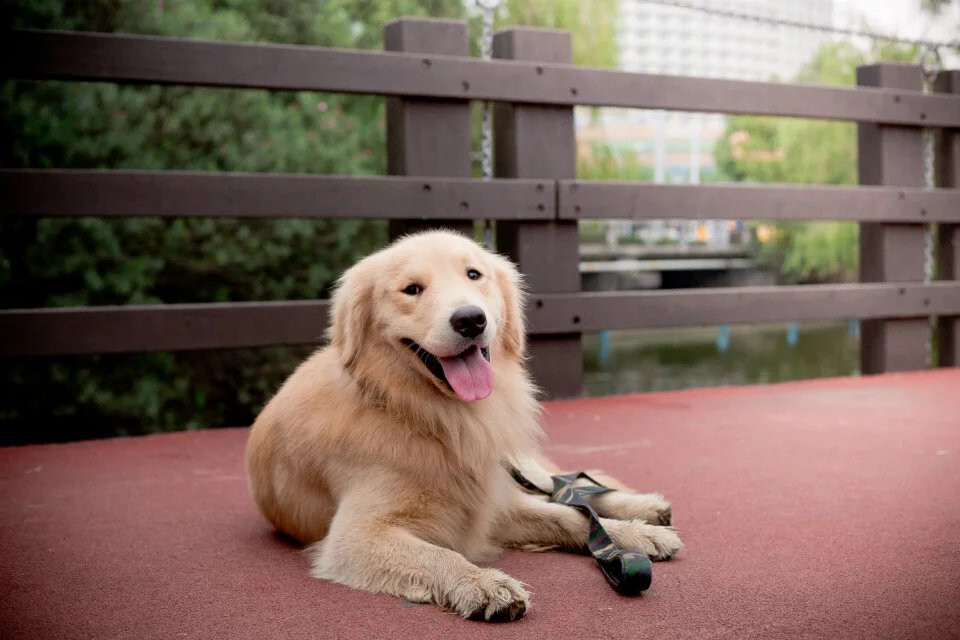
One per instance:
(469, 509)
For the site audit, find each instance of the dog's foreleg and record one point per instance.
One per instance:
(384, 558)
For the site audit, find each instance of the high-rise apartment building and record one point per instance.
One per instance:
(656, 38)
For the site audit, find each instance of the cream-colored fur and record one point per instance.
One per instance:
(396, 484)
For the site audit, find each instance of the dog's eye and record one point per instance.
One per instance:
(413, 289)
(473, 274)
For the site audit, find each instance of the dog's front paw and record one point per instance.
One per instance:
(658, 542)
(489, 595)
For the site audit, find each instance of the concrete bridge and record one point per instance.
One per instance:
(633, 266)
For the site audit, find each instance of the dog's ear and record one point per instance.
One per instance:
(513, 333)
(350, 313)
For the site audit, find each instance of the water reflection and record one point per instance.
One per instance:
(664, 359)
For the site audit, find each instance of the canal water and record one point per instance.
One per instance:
(665, 359)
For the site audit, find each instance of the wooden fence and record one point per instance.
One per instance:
(429, 80)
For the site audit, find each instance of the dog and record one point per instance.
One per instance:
(386, 452)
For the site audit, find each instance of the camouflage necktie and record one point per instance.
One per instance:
(627, 572)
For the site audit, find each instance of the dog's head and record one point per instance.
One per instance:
(435, 307)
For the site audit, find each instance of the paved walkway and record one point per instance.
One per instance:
(819, 509)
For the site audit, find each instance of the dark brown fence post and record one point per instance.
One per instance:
(948, 235)
(428, 137)
(891, 155)
(538, 141)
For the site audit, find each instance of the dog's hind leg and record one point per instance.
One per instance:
(532, 522)
(621, 504)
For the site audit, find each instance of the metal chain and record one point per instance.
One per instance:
(486, 52)
(929, 78)
(488, 7)
(930, 63)
(723, 13)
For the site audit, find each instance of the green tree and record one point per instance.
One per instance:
(55, 262)
(606, 163)
(787, 150)
(51, 262)
(592, 25)
(935, 6)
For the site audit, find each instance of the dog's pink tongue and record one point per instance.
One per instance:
(470, 375)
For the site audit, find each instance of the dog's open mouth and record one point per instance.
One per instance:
(468, 374)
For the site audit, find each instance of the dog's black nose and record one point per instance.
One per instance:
(469, 321)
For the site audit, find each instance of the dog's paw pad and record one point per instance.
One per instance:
(491, 596)
(512, 611)
(666, 542)
(664, 516)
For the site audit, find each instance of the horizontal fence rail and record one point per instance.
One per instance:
(176, 193)
(56, 193)
(630, 200)
(176, 327)
(560, 313)
(544, 206)
(163, 327)
(157, 60)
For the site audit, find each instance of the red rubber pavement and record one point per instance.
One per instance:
(818, 509)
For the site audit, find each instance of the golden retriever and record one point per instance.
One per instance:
(386, 450)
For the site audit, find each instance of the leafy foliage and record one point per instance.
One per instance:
(592, 23)
(56, 262)
(763, 149)
(606, 163)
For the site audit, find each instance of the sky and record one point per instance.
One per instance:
(901, 18)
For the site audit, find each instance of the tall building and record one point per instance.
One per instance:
(656, 38)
